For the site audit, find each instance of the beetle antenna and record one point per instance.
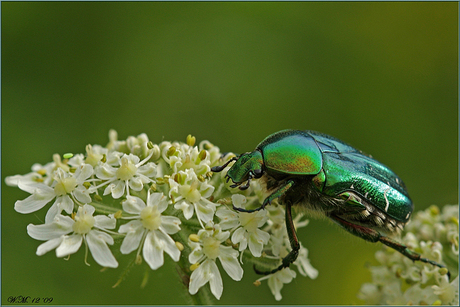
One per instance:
(217, 169)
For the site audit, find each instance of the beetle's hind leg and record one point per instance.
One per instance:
(408, 253)
(373, 235)
(295, 245)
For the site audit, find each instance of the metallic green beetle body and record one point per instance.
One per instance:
(323, 174)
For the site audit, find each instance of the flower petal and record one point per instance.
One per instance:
(215, 280)
(148, 170)
(228, 218)
(65, 203)
(238, 235)
(256, 242)
(133, 204)
(136, 184)
(61, 225)
(170, 224)
(49, 245)
(152, 251)
(229, 259)
(105, 222)
(134, 231)
(82, 194)
(35, 201)
(169, 246)
(105, 171)
(83, 173)
(31, 186)
(118, 189)
(99, 249)
(196, 254)
(186, 208)
(70, 244)
(199, 277)
(205, 210)
(159, 200)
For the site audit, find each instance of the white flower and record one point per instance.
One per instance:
(130, 173)
(190, 195)
(245, 226)
(66, 235)
(277, 280)
(181, 157)
(429, 233)
(150, 228)
(205, 252)
(447, 292)
(40, 173)
(67, 188)
(303, 264)
(94, 154)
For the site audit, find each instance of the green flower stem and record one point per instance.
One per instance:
(104, 209)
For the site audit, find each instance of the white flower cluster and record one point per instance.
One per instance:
(157, 199)
(400, 281)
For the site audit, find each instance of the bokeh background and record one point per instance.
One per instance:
(381, 76)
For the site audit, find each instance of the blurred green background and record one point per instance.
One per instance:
(381, 76)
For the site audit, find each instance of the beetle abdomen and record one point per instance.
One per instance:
(371, 180)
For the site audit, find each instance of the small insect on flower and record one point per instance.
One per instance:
(323, 174)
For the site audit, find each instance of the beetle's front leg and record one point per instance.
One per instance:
(278, 193)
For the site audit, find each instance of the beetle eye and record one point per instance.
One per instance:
(258, 173)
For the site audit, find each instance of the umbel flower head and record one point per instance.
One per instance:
(399, 281)
(160, 202)
(154, 202)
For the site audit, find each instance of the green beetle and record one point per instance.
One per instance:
(323, 174)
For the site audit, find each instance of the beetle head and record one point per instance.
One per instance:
(248, 166)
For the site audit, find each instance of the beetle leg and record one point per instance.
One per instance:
(295, 245)
(278, 193)
(244, 187)
(372, 235)
(241, 187)
(408, 253)
(250, 175)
